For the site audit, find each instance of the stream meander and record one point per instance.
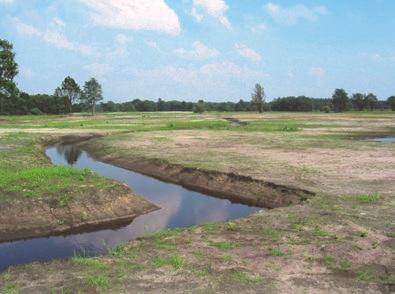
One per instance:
(179, 208)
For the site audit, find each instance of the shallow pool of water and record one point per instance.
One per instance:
(383, 139)
(179, 208)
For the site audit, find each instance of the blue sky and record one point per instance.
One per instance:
(204, 49)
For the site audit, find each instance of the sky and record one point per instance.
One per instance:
(215, 50)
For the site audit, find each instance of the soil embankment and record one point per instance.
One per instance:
(236, 188)
(45, 217)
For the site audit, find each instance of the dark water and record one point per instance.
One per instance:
(383, 139)
(179, 208)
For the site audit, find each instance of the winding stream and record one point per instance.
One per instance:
(179, 208)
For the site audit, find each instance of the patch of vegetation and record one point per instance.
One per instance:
(224, 246)
(231, 226)
(270, 233)
(97, 281)
(208, 228)
(8, 287)
(227, 258)
(164, 244)
(118, 251)
(176, 261)
(319, 232)
(89, 262)
(365, 276)
(162, 233)
(367, 198)
(246, 278)
(276, 252)
(329, 261)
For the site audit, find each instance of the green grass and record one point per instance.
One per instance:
(329, 261)
(270, 233)
(40, 181)
(276, 252)
(89, 262)
(8, 286)
(246, 278)
(97, 281)
(364, 276)
(367, 198)
(227, 258)
(176, 261)
(319, 232)
(25, 173)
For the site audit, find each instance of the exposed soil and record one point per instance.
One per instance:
(237, 188)
(24, 219)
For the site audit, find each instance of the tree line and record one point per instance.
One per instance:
(70, 97)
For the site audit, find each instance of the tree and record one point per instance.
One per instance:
(92, 94)
(340, 100)
(370, 101)
(8, 70)
(69, 89)
(8, 66)
(391, 102)
(358, 101)
(258, 97)
(199, 107)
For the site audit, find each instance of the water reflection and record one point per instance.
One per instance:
(69, 152)
(179, 208)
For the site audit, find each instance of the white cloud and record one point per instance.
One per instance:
(198, 16)
(248, 53)
(58, 22)
(98, 69)
(52, 36)
(199, 51)
(317, 72)
(213, 8)
(7, 1)
(227, 68)
(207, 73)
(153, 15)
(177, 74)
(25, 29)
(291, 15)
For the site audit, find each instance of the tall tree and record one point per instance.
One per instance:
(391, 102)
(92, 94)
(370, 101)
(8, 66)
(358, 101)
(69, 89)
(340, 100)
(8, 70)
(258, 97)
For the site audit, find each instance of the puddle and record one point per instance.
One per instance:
(179, 208)
(383, 139)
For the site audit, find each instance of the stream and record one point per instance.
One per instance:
(179, 208)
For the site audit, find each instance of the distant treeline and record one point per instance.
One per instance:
(292, 104)
(53, 104)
